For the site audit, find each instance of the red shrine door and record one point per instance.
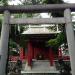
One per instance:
(37, 50)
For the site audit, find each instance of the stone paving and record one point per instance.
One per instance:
(40, 67)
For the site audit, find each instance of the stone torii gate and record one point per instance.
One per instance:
(67, 8)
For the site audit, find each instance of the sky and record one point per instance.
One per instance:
(43, 15)
(15, 2)
(69, 1)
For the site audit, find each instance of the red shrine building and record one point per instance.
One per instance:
(37, 48)
(37, 52)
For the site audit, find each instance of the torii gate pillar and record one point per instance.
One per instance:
(70, 38)
(4, 43)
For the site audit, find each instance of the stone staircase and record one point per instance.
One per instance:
(40, 67)
(43, 65)
(40, 74)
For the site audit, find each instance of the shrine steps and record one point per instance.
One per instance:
(43, 65)
(40, 67)
(40, 74)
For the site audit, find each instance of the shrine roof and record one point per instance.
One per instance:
(40, 31)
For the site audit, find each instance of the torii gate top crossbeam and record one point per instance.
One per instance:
(37, 8)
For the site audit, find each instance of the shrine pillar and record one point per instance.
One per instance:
(30, 53)
(70, 38)
(4, 42)
(51, 57)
